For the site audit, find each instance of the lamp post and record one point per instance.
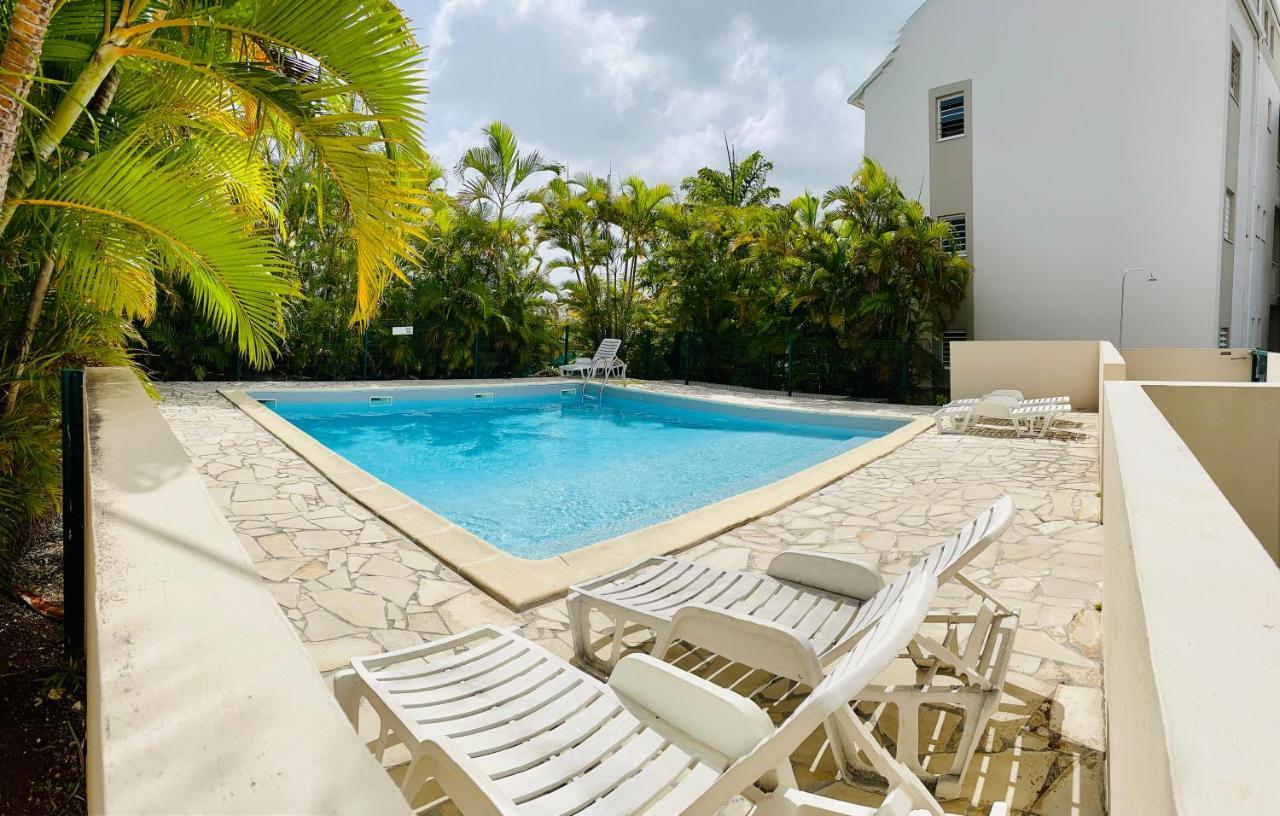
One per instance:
(1151, 278)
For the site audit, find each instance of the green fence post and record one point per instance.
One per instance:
(475, 359)
(364, 343)
(564, 358)
(686, 358)
(790, 361)
(73, 510)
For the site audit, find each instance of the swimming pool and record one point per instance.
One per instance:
(536, 471)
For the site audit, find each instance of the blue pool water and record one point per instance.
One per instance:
(536, 474)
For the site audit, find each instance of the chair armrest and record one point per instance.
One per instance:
(680, 705)
(830, 572)
(753, 642)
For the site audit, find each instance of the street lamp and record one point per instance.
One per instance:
(1151, 278)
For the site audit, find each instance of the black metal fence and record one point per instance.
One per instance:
(884, 370)
(73, 510)
(870, 370)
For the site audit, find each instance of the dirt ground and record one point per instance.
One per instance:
(41, 696)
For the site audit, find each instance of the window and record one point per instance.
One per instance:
(949, 337)
(1234, 80)
(1268, 116)
(959, 240)
(1228, 216)
(950, 116)
(1224, 337)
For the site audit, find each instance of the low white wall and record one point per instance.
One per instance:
(1234, 433)
(1273, 367)
(1191, 629)
(1037, 368)
(1189, 364)
(1111, 368)
(201, 698)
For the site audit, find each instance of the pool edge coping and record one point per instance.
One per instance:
(520, 583)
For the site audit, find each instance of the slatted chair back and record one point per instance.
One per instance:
(883, 637)
(948, 558)
(608, 350)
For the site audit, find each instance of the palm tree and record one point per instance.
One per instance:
(571, 219)
(175, 180)
(18, 63)
(635, 214)
(492, 173)
(745, 184)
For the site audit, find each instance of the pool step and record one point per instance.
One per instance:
(484, 395)
(379, 400)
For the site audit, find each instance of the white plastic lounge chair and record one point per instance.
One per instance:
(1027, 418)
(605, 360)
(811, 600)
(1012, 397)
(508, 728)
(580, 366)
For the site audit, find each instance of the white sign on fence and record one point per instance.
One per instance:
(399, 330)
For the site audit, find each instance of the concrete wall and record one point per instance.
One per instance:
(1189, 364)
(1191, 629)
(1234, 432)
(1080, 166)
(1111, 368)
(1043, 368)
(201, 698)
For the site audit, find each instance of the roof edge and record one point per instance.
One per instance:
(855, 98)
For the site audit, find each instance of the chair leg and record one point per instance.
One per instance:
(346, 688)
(384, 740)
(580, 627)
(414, 777)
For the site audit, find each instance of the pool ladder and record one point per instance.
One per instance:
(599, 396)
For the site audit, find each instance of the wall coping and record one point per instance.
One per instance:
(1210, 597)
(201, 697)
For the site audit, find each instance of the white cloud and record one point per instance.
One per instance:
(612, 85)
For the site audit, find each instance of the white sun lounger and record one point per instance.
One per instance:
(1027, 418)
(1011, 397)
(508, 728)
(605, 361)
(812, 600)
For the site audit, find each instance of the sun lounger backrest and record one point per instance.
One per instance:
(886, 635)
(954, 554)
(608, 349)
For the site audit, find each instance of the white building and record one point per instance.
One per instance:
(1074, 140)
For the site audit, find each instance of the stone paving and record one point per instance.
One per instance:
(353, 585)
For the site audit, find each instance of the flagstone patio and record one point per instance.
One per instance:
(353, 585)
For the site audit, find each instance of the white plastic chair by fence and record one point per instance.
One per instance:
(812, 602)
(508, 728)
(604, 361)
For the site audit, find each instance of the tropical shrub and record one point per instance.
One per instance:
(140, 170)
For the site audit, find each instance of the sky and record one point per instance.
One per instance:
(651, 87)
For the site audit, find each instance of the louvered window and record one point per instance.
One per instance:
(949, 337)
(959, 240)
(950, 116)
(1234, 79)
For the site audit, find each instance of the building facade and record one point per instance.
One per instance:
(1069, 142)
